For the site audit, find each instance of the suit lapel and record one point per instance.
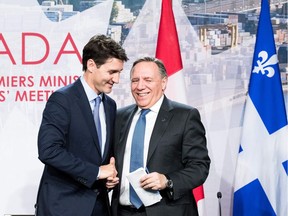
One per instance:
(85, 108)
(108, 116)
(125, 123)
(161, 124)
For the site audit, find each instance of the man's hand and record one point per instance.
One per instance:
(108, 170)
(154, 181)
(112, 182)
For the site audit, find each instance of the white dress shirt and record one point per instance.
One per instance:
(150, 122)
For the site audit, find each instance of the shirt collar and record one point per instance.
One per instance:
(156, 107)
(91, 95)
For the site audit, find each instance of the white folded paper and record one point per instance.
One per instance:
(148, 197)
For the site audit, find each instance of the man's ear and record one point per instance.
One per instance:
(164, 83)
(90, 64)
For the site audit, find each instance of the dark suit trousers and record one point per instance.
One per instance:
(124, 212)
(101, 206)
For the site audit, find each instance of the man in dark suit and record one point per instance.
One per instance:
(174, 151)
(77, 157)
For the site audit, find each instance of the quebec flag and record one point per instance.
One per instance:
(261, 179)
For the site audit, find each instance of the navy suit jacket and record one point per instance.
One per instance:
(177, 148)
(69, 148)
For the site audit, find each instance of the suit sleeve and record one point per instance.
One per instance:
(195, 160)
(53, 142)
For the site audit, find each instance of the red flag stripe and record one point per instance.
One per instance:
(168, 49)
(198, 193)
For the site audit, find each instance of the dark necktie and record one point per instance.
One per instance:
(136, 159)
(97, 120)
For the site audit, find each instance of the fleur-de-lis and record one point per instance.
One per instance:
(263, 64)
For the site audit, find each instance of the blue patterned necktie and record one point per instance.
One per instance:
(136, 160)
(97, 120)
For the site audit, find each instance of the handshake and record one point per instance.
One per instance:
(109, 172)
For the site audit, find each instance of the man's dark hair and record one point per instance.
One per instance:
(100, 48)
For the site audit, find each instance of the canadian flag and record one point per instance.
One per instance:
(168, 50)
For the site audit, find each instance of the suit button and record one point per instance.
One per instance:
(96, 191)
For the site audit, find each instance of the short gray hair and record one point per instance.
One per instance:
(158, 62)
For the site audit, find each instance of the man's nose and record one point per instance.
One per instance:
(116, 77)
(141, 84)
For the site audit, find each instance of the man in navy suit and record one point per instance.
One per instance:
(174, 152)
(74, 180)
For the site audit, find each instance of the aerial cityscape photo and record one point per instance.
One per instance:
(216, 57)
(221, 24)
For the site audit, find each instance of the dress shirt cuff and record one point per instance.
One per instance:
(99, 172)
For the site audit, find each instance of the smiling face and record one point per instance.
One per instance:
(147, 84)
(102, 79)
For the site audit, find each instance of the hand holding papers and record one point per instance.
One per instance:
(148, 197)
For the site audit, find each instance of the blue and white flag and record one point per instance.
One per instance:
(261, 179)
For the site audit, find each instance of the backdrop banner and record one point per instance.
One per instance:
(38, 56)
